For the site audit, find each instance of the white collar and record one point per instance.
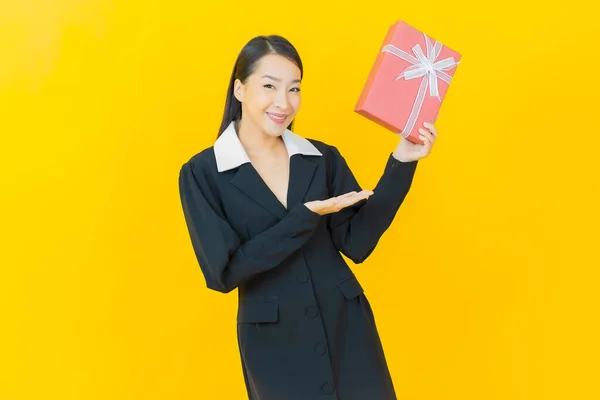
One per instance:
(230, 153)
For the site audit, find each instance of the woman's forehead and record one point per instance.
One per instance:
(277, 68)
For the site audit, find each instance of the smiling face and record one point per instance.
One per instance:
(271, 95)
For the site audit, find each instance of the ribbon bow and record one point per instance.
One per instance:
(424, 66)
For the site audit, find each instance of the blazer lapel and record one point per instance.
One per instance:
(301, 174)
(249, 181)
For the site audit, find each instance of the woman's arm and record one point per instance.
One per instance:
(356, 230)
(225, 261)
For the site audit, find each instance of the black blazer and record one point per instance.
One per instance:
(305, 327)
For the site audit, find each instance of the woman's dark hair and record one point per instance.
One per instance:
(245, 65)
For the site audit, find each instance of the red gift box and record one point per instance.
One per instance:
(408, 82)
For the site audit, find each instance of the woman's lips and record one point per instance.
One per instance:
(277, 118)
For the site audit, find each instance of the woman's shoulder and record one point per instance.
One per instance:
(202, 161)
(205, 155)
(329, 151)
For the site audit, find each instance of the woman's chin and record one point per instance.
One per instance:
(275, 128)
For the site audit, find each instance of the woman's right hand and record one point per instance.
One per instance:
(335, 204)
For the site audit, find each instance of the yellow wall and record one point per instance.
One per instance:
(484, 287)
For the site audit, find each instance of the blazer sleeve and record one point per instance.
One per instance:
(225, 261)
(356, 230)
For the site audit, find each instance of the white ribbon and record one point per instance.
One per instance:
(424, 66)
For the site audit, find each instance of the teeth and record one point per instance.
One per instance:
(280, 118)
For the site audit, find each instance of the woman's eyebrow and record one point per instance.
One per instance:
(279, 80)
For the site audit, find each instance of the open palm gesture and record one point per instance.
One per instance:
(335, 204)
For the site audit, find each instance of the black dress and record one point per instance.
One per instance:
(305, 327)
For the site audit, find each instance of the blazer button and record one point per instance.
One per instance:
(327, 388)
(302, 277)
(312, 312)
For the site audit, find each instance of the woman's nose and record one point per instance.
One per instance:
(281, 101)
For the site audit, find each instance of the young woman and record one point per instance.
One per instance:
(269, 213)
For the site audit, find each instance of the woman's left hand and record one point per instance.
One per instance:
(408, 151)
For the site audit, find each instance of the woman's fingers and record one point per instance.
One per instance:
(346, 195)
(334, 204)
(427, 137)
(341, 199)
(427, 134)
(431, 127)
(355, 198)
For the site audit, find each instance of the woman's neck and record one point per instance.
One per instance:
(255, 142)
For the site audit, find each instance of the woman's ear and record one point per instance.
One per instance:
(238, 90)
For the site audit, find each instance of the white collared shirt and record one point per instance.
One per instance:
(230, 153)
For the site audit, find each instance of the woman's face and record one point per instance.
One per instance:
(271, 96)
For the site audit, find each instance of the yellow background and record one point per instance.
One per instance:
(485, 287)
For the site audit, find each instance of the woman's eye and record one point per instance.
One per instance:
(270, 86)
